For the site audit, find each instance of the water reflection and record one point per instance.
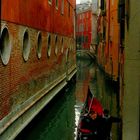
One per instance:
(55, 121)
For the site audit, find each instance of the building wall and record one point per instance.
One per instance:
(113, 39)
(108, 33)
(84, 28)
(22, 79)
(124, 52)
(131, 100)
(18, 13)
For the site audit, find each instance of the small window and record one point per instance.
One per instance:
(5, 47)
(68, 9)
(26, 45)
(102, 4)
(50, 1)
(70, 44)
(62, 45)
(62, 7)
(87, 15)
(56, 43)
(56, 4)
(112, 2)
(83, 15)
(49, 45)
(39, 45)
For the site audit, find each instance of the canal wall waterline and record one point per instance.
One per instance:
(12, 126)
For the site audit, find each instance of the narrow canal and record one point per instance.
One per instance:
(58, 120)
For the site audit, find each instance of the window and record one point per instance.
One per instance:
(68, 9)
(56, 4)
(112, 2)
(70, 44)
(26, 45)
(62, 7)
(50, 1)
(87, 15)
(49, 45)
(39, 45)
(86, 39)
(56, 47)
(104, 32)
(83, 16)
(5, 47)
(102, 4)
(62, 45)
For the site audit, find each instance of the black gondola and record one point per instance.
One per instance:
(91, 104)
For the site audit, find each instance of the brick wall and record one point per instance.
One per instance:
(19, 79)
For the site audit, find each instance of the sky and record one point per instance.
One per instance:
(77, 1)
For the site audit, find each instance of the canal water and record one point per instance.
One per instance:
(59, 119)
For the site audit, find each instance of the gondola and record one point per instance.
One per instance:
(91, 104)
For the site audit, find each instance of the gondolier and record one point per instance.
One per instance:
(90, 126)
(107, 121)
(90, 120)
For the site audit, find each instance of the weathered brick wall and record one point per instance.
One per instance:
(20, 80)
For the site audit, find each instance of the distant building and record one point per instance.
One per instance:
(86, 30)
(84, 25)
(95, 14)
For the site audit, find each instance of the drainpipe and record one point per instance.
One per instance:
(108, 27)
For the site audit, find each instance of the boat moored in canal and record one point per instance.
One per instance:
(85, 130)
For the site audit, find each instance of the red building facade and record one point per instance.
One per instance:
(84, 28)
(109, 41)
(37, 42)
(51, 10)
